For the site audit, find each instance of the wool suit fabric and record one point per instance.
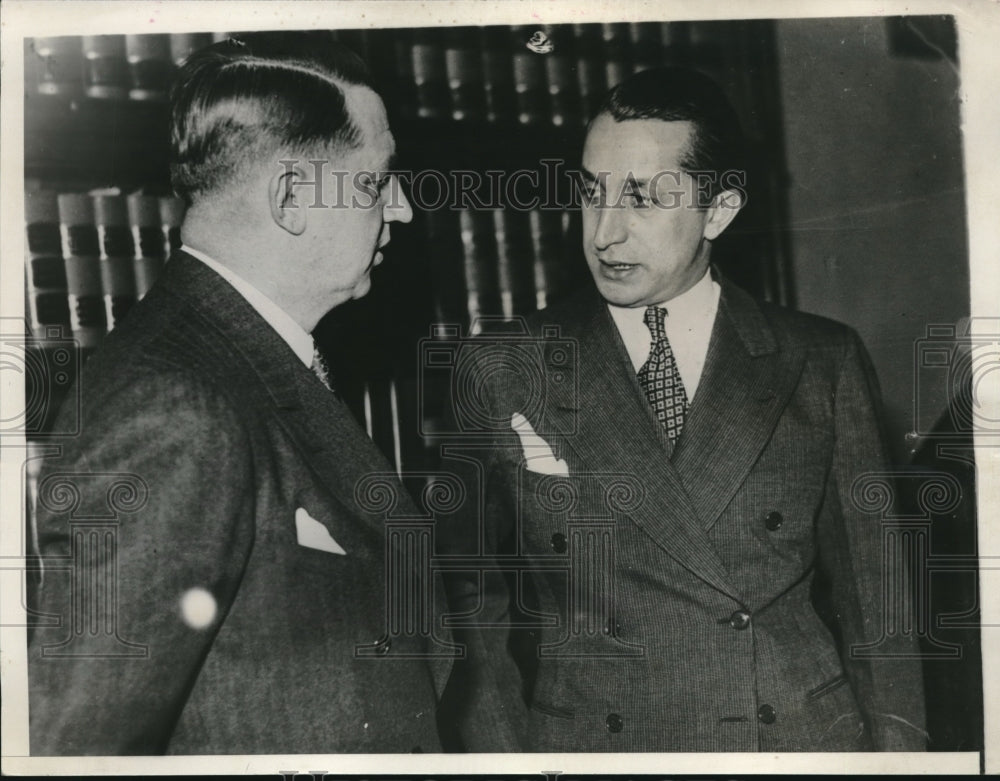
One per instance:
(697, 626)
(197, 397)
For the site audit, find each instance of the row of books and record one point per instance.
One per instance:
(502, 263)
(555, 74)
(549, 74)
(90, 256)
(136, 67)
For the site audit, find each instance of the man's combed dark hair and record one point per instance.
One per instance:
(676, 94)
(241, 101)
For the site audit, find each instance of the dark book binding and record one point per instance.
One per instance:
(515, 262)
(444, 248)
(547, 249)
(592, 81)
(464, 69)
(171, 216)
(114, 238)
(530, 87)
(45, 273)
(150, 66)
(59, 66)
(498, 75)
(82, 259)
(148, 238)
(106, 70)
(182, 45)
(430, 75)
(560, 72)
(482, 286)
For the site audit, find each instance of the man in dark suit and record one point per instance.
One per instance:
(675, 507)
(210, 583)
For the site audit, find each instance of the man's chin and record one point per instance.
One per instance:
(619, 294)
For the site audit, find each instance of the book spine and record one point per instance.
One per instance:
(402, 80)
(357, 41)
(45, 274)
(464, 69)
(481, 281)
(560, 64)
(149, 240)
(546, 243)
(647, 46)
(171, 217)
(498, 75)
(150, 66)
(106, 71)
(591, 77)
(514, 262)
(530, 87)
(574, 263)
(114, 239)
(81, 256)
(60, 69)
(430, 76)
(617, 54)
(182, 45)
(444, 248)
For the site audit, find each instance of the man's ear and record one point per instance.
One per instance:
(286, 209)
(725, 206)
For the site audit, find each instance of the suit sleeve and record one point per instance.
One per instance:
(871, 604)
(141, 589)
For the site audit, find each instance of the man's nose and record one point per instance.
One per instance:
(397, 208)
(611, 227)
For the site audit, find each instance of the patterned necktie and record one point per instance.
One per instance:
(320, 369)
(660, 379)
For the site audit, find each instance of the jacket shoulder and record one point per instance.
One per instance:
(791, 325)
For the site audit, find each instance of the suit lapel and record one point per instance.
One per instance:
(744, 387)
(317, 421)
(604, 419)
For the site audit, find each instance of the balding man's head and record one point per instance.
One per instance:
(255, 99)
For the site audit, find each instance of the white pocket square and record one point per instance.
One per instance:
(538, 455)
(312, 534)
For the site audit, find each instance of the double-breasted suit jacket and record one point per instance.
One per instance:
(242, 605)
(672, 601)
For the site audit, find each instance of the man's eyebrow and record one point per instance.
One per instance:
(589, 175)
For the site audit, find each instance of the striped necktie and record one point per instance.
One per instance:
(660, 378)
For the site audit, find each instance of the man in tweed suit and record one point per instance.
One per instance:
(673, 510)
(242, 610)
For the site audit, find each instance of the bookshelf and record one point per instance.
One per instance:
(459, 99)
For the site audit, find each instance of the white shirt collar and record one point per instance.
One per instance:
(689, 322)
(301, 343)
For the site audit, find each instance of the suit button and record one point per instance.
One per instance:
(739, 620)
(766, 714)
(382, 646)
(559, 543)
(614, 722)
(773, 521)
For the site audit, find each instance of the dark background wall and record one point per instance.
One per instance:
(876, 226)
